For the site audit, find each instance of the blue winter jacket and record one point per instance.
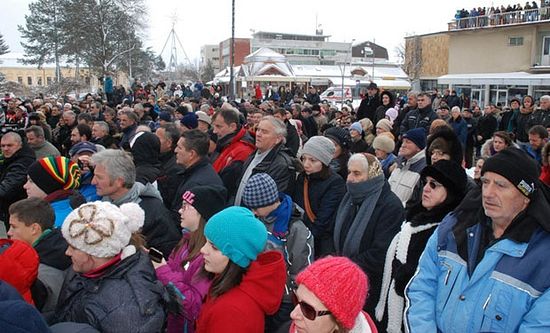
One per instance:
(508, 290)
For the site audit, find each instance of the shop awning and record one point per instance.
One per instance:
(513, 78)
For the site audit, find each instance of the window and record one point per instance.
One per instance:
(20, 79)
(48, 80)
(29, 80)
(39, 82)
(515, 41)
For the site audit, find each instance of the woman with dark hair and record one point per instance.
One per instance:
(184, 268)
(342, 141)
(247, 284)
(520, 125)
(388, 101)
(500, 141)
(445, 187)
(319, 191)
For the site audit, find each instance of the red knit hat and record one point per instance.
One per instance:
(19, 262)
(339, 284)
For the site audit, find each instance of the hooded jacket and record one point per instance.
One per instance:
(465, 283)
(126, 298)
(146, 151)
(243, 308)
(19, 266)
(380, 112)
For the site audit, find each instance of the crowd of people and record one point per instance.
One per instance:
(495, 15)
(174, 210)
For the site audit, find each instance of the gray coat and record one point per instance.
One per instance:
(126, 298)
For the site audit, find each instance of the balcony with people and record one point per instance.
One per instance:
(499, 16)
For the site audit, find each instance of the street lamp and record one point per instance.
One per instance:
(344, 71)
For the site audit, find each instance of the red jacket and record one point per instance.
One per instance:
(545, 174)
(238, 150)
(243, 308)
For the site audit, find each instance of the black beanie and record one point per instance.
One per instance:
(516, 166)
(450, 174)
(207, 200)
(340, 135)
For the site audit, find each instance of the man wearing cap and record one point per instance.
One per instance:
(410, 162)
(369, 102)
(485, 269)
(37, 141)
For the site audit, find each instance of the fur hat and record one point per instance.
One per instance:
(102, 229)
(384, 124)
(321, 148)
(54, 173)
(238, 234)
(384, 143)
(339, 284)
(450, 174)
(444, 139)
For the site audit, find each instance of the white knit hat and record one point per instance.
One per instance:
(102, 229)
(320, 148)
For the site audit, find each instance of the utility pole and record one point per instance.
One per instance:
(232, 83)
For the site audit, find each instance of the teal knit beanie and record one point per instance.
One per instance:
(237, 234)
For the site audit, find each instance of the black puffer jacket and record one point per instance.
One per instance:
(169, 178)
(126, 298)
(13, 175)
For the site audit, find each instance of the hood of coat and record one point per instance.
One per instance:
(51, 250)
(265, 280)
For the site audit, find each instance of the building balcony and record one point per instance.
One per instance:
(501, 19)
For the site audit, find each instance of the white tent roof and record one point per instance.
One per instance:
(264, 61)
(513, 78)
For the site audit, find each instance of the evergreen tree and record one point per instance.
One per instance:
(42, 33)
(207, 72)
(3, 46)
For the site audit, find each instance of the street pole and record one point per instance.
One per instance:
(344, 71)
(232, 83)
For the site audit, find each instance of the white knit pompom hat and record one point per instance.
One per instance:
(102, 229)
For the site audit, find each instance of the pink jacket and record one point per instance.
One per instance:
(188, 281)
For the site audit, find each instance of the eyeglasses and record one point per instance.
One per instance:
(433, 184)
(307, 310)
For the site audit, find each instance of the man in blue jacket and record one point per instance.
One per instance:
(485, 269)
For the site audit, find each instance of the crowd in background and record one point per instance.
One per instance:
(297, 215)
(495, 15)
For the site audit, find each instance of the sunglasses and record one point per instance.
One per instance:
(433, 184)
(307, 310)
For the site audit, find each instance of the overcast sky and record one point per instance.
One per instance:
(209, 22)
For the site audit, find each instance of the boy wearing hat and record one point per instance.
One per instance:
(410, 162)
(112, 286)
(287, 233)
(483, 268)
(55, 180)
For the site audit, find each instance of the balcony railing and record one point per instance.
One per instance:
(500, 19)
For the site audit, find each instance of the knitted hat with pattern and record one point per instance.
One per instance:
(54, 173)
(260, 191)
(339, 284)
(237, 234)
(102, 229)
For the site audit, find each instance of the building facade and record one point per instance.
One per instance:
(490, 61)
(242, 49)
(303, 49)
(210, 53)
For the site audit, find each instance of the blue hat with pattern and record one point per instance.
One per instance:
(260, 191)
(238, 234)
